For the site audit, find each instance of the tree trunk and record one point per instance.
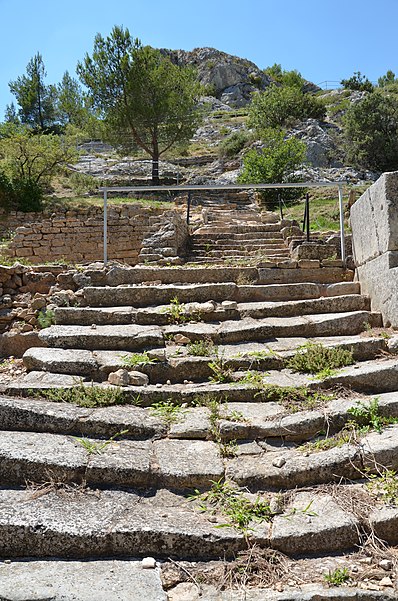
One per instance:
(155, 169)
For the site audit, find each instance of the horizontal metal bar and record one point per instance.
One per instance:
(224, 187)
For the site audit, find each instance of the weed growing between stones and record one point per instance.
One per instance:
(314, 358)
(294, 399)
(136, 359)
(95, 448)
(178, 313)
(167, 411)
(338, 577)
(227, 449)
(85, 396)
(202, 348)
(222, 374)
(254, 379)
(233, 505)
(384, 486)
(46, 318)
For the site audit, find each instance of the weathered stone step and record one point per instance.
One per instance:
(290, 468)
(60, 580)
(322, 275)
(228, 332)
(180, 365)
(257, 310)
(223, 238)
(144, 296)
(238, 229)
(247, 244)
(112, 523)
(240, 253)
(128, 337)
(371, 376)
(189, 275)
(175, 464)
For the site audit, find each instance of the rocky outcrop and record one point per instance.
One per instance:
(318, 137)
(230, 78)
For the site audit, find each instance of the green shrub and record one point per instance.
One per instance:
(46, 318)
(314, 358)
(357, 82)
(232, 145)
(28, 196)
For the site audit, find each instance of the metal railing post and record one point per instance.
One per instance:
(342, 235)
(105, 227)
(307, 215)
(188, 206)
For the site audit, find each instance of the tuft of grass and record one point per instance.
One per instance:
(93, 447)
(46, 318)
(368, 416)
(254, 379)
(202, 348)
(85, 396)
(338, 577)
(136, 359)
(167, 411)
(385, 486)
(293, 398)
(221, 372)
(314, 358)
(234, 505)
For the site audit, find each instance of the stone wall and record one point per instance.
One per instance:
(76, 235)
(374, 224)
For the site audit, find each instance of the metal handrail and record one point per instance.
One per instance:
(189, 188)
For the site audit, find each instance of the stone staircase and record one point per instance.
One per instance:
(200, 458)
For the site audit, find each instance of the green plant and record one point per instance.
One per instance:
(234, 505)
(85, 395)
(228, 449)
(93, 447)
(368, 417)
(297, 511)
(176, 311)
(167, 411)
(202, 348)
(314, 358)
(338, 577)
(136, 359)
(232, 145)
(46, 318)
(385, 486)
(221, 372)
(357, 82)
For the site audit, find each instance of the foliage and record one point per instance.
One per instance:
(357, 82)
(221, 372)
(285, 78)
(20, 194)
(368, 416)
(176, 311)
(29, 157)
(146, 100)
(167, 411)
(84, 396)
(46, 318)
(135, 359)
(314, 358)
(35, 99)
(72, 104)
(234, 505)
(282, 106)
(371, 132)
(338, 577)
(232, 145)
(385, 486)
(93, 447)
(387, 79)
(202, 348)
(274, 163)
(294, 398)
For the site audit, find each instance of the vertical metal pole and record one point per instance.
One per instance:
(105, 227)
(307, 215)
(188, 206)
(342, 236)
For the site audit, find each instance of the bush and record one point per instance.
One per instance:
(20, 194)
(357, 82)
(282, 106)
(371, 132)
(273, 164)
(232, 145)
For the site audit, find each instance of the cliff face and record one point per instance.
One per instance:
(230, 78)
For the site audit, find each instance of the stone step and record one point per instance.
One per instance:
(283, 469)
(243, 260)
(238, 229)
(371, 376)
(106, 580)
(91, 524)
(247, 244)
(257, 310)
(134, 337)
(229, 332)
(240, 253)
(172, 464)
(203, 237)
(180, 365)
(119, 275)
(144, 295)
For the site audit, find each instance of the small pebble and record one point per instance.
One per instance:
(279, 462)
(386, 581)
(158, 385)
(168, 382)
(354, 569)
(148, 563)
(93, 326)
(386, 564)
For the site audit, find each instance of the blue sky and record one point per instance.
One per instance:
(324, 39)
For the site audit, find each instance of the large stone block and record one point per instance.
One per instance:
(374, 220)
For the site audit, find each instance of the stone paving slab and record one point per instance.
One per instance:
(127, 337)
(288, 468)
(89, 315)
(332, 324)
(106, 580)
(178, 464)
(371, 377)
(313, 522)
